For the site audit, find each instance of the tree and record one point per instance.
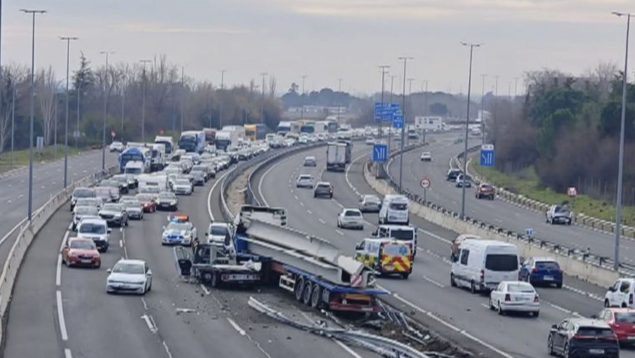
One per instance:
(46, 87)
(438, 109)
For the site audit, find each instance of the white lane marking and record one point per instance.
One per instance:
(67, 353)
(346, 174)
(8, 201)
(60, 315)
(346, 348)
(435, 236)
(436, 283)
(149, 323)
(20, 196)
(309, 212)
(322, 221)
(125, 253)
(262, 194)
(209, 195)
(583, 293)
(120, 243)
(484, 305)
(339, 232)
(236, 326)
(145, 304)
(453, 327)
(295, 197)
(167, 350)
(207, 292)
(301, 204)
(58, 271)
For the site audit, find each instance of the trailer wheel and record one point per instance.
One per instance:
(326, 298)
(299, 288)
(306, 293)
(316, 295)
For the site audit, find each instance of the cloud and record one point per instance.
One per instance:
(158, 29)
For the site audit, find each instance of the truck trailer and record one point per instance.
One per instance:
(336, 157)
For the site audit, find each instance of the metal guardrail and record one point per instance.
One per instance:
(584, 255)
(26, 235)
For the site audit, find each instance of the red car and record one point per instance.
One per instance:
(485, 191)
(622, 322)
(148, 202)
(81, 252)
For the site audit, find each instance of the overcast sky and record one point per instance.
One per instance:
(327, 39)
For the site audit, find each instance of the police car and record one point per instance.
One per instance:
(179, 231)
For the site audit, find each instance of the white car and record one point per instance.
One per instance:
(515, 296)
(304, 181)
(620, 294)
(559, 214)
(370, 141)
(178, 233)
(370, 203)
(116, 146)
(129, 276)
(350, 218)
(426, 157)
(81, 212)
(95, 229)
(182, 186)
(218, 232)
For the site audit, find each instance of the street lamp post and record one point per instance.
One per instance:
(262, 104)
(403, 111)
(302, 102)
(143, 101)
(103, 133)
(483, 110)
(392, 81)
(68, 40)
(467, 121)
(32, 109)
(380, 129)
(620, 170)
(220, 100)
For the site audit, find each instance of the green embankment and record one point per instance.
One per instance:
(20, 158)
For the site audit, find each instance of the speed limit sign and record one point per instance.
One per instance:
(425, 183)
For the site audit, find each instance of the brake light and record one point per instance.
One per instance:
(536, 299)
(508, 298)
(534, 270)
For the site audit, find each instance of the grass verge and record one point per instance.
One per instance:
(20, 158)
(526, 183)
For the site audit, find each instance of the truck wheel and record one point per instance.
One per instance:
(306, 293)
(299, 288)
(326, 298)
(316, 295)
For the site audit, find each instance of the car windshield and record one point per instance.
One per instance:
(133, 170)
(131, 268)
(371, 199)
(167, 196)
(86, 210)
(352, 213)
(407, 235)
(520, 287)
(82, 245)
(132, 204)
(305, 177)
(547, 265)
(501, 262)
(178, 226)
(83, 193)
(398, 206)
(625, 317)
(182, 182)
(324, 186)
(595, 332)
(113, 207)
(144, 197)
(90, 228)
(218, 230)
(562, 209)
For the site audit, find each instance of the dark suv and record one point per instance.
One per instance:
(453, 173)
(323, 189)
(583, 337)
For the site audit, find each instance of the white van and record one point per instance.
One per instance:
(482, 264)
(406, 234)
(394, 210)
(134, 168)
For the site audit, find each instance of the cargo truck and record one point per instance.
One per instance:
(336, 157)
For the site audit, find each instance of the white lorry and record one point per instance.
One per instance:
(336, 157)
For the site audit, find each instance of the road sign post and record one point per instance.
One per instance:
(425, 184)
(488, 156)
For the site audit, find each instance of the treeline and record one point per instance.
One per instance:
(173, 102)
(567, 128)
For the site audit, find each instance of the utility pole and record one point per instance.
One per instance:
(143, 101)
(220, 101)
(392, 81)
(339, 90)
(103, 134)
(182, 96)
(32, 109)
(262, 103)
(380, 129)
(123, 101)
(620, 170)
(302, 102)
(483, 110)
(12, 125)
(467, 121)
(403, 127)
(68, 40)
(515, 87)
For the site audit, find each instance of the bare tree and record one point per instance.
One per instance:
(47, 87)
(272, 86)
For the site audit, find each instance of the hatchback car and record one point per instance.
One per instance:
(310, 161)
(167, 201)
(486, 191)
(147, 202)
(426, 157)
(115, 214)
(583, 337)
(452, 174)
(304, 181)
(129, 276)
(559, 214)
(515, 296)
(463, 181)
(323, 189)
(350, 218)
(81, 252)
(622, 322)
(541, 270)
(370, 203)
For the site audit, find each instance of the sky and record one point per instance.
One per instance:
(327, 40)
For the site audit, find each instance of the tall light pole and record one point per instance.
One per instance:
(302, 102)
(339, 90)
(68, 40)
(392, 81)
(220, 101)
(12, 124)
(403, 111)
(103, 133)
(143, 101)
(380, 129)
(483, 109)
(467, 122)
(262, 104)
(182, 97)
(123, 101)
(620, 167)
(32, 109)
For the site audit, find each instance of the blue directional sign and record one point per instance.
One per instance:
(380, 153)
(379, 111)
(488, 156)
(397, 120)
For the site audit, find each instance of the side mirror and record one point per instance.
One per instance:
(109, 230)
(611, 289)
(109, 271)
(149, 273)
(374, 233)
(554, 327)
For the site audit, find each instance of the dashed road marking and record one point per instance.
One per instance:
(309, 212)
(339, 232)
(67, 353)
(60, 315)
(436, 283)
(150, 323)
(207, 292)
(236, 326)
(322, 221)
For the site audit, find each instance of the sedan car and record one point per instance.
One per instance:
(622, 322)
(129, 276)
(541, 270)
(96, 230)
(81, 212)
(218, 232)
(167, 201)
(134, 209)
(310, 161)
(515, 296)
(426, 157)
(350, 218)
(178, 233)
(114, 214)
(463, 181)
(370, 204)
(182, 186)
(116, 146)
(81, 252)
(486, 191)
(148, 202)
(583, 337)
(559, 214)
(453, 174)
(304, 181)
(323, 189)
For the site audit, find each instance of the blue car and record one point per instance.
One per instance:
(541, 271)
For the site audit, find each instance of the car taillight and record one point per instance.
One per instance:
(536, 299)
(534, 270)
(508, 298)
(482, 275)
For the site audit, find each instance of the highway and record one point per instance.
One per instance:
(428, 288)
(60, 309)
(497, 212)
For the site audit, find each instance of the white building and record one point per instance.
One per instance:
(429, 123)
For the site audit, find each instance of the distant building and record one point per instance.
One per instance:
(429, 123)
